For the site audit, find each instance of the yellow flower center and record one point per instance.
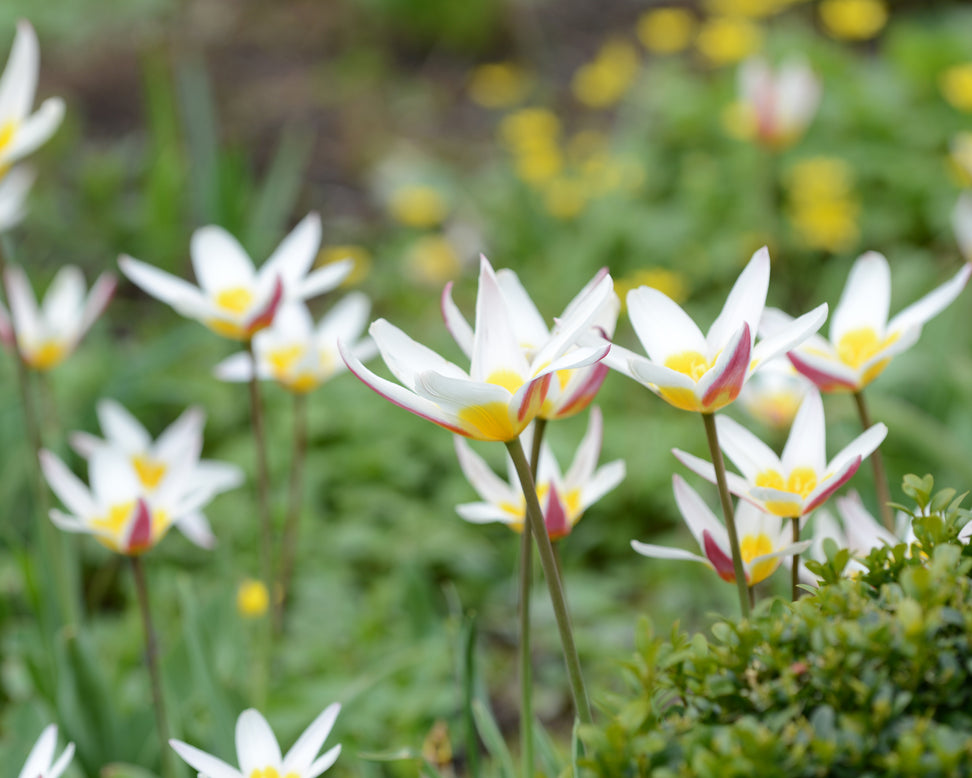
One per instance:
(858, 346)
(282, 360)
(690, 363)
(752, 546)
(571, 500)
(114, 521)
(7, 131)
(49, 354)
(271, 772)
(236, 299)
(801, 481)
(150, 471)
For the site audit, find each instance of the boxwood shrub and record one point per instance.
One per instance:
(870, 676)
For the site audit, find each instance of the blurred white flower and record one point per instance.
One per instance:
(14, 188)
(563, 498)
(45, 336)
(233, 298)
(258, 752)
(21, 131)
(778, 105)
(40, 761)
(300, 356)
(774, 393)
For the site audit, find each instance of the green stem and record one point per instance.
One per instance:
(152, 661)
(49, 539)
(557, 599)
(745, 595)
(877, 464)
(526, 581)
(292, 522)
(795, 570)
(263, 484)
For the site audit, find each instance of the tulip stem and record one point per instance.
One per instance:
(152, 661)
(795, 570)
(526, 583)
(263, 484)
(51, 546)
(582, 705)
(720, 468)
(877, 464)
(292, 521)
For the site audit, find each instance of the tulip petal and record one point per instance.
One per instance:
(744, 305)
(747, 452)
(256, 745)
(205, 764)
(67, 486)
(19, 81)
(806, 446)
(528, 325)
(100, 295)
(301, 755)
(862, 446)
(35, 130)
(697, 515)
(495, 347)
(195, 526)
(601, 482)
(866, 297)
(121, 429)
(324, 763)
(662, 326)
(321, 281)
(219, 261)
(42, 754)
(481, 477)
(485, 513)
(721, 384)
(295, 254)
(407, 358)
(831, 484)
(585, 460)
(919, 313)
(181, 295)
(791, 335)
(826, 373)
(666, 552)
(456, 323)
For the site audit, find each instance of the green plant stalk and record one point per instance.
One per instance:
(795, 572)
(152, 661)
(526, 581)
(582, 705)
(877, 465)
(263, 484)
(745, 594)
(49, 539)
(288, 553)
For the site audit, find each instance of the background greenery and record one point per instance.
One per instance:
(250, 114)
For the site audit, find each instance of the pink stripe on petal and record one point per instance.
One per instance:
(833, 485)
(265, 317)
(726, 387)
(826, 382)
(534, 396)
(585, 393)
(140, 534)
(555, 518)
(720, 561)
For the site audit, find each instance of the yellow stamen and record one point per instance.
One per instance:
(752, 546)
(858, 346)
(236, 299)
(150, 471)
(802, 481)
(690, 363)
(114, 522)
(49, 354)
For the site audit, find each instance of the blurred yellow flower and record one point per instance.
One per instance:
(252, 599)
(433, 260)
(539, 165)
(823, 209)
(606, 79)
(725, 40)
(956, 84)
(529, 127)
(357, 254)
(666, 281)
(498, 85)
(666, 30)
(754, 9)
(961, 158)
(417, 206)
(853, 20)
(565, 198)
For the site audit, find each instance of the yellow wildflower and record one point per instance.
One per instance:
(725, 40)
(819, 178)
(754, 9)
(357, 254)
(252, 599)
(666, 30)
(956, 84)
(853, 20)
(666, 281)
(417, 206)
(433, 260)
(529, 128)
(539, 165)
(565, 198)
(498, 85)
(827, 224)
(605, 80)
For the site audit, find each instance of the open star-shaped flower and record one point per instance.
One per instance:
(573, 390)
(48, 334)
(503, 390)
(233, 298)
(800, 480)
(704, 373)
(23, 130)
(862, 338)
(40, 761)
(563, 497)
(298, 355)
(763, 538)
(259, 754)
